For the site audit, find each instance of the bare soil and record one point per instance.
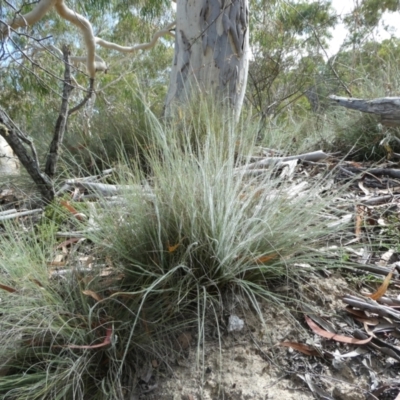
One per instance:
(251, 365)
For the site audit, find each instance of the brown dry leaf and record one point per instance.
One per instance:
(57, 264)
(361, 316)
(67, 242)
(106, 342)
(357, 313)
(37, 282)
(368, 321)
(171, 249)
(264, 259)
(303, 348)
(368, 331)
(382, 289)
(67, 205)
(338, 338)
(7, 288)
(126, 295)
(155, 363)
(73, 210)
(92, 294)
(58, 261)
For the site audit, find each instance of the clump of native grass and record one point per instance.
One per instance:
(189, 235)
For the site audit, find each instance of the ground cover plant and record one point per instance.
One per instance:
(170, 257)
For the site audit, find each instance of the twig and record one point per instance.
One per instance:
(372, 201)
(20, 214)
(85, 100)
(109, 190)
(7, 212)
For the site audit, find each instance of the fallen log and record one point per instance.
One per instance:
(388, 108)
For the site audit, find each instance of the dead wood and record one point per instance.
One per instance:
(388, 108)
(54, 152)
(266, 162)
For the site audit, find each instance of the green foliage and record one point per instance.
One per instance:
(366, 15)
(288, 43)
(303, 18)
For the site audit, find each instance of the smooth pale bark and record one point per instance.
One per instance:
(9, 164)
(211, 51)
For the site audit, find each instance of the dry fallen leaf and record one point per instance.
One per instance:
(37, 282)
(73, 210)
(264, 259)
(382, 289)
(106, 342)
(58, 260)
(7, 288)
(361, 316)
(357, 313)
(67, 206)
(303, 348)
(171, 249)
(338, 338)
(92, 294)
(67, 242)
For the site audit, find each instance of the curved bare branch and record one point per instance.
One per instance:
(87, 31)
(29, 18)
(93, 62)
(142, 46)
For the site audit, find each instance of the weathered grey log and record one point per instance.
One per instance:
(314, 156)
(388, 108)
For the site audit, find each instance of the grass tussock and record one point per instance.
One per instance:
(202, 232)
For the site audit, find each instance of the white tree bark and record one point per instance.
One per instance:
(9, 164)
(211, 51)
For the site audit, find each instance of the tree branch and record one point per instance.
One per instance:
(85, 100)
(93, 63)
(54, 152)
(87, 31)
(41, 180)
(143, 46)
(30, 18)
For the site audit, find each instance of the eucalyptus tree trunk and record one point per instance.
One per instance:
(211, 51)
(9, 164)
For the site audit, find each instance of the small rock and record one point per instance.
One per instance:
(235, 324)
